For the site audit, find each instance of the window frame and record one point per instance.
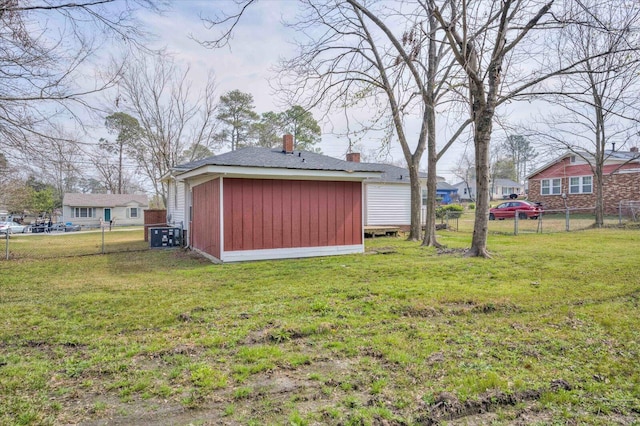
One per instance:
(550, 186)
(90, 212)
(130, 211)
(581, 184)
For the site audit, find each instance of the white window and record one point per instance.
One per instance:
(133, 212)
(581, 185)
(551, 186)
(84, 212)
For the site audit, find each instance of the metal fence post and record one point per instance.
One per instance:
(7, 245)
(516, 219)
(539, 223)
(620, 212)
(102, 227)
(567, 220)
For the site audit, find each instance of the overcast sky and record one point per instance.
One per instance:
(247, 64)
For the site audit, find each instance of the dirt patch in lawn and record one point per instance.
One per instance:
(269, 396)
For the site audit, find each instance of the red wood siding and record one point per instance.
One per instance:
(205, 227)
(269, 214)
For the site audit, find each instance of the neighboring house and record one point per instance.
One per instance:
(446, 192)
(261, 203)
(466, 190)
(388, 198)
(501, 189)
(571, 175)
(91, 209)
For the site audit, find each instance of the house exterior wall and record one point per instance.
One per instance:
(120, 216)
(623, 184)
(466, 193)
(176, 204)
(387, 205)
(205, 228)
(501, 192)
(268, 214)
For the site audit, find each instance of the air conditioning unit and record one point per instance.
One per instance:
(165, 237)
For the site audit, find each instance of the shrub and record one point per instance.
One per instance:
(455, 210)
(472, 206)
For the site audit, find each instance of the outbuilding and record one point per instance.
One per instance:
(261, 203)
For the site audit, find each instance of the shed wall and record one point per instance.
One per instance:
(264, 214)
(205, 228)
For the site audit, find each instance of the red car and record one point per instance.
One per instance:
(508, 209)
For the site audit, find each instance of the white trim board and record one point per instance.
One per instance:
(289, 253)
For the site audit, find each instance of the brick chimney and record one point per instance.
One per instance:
(353, 157)
(287, 144)
(634, 149)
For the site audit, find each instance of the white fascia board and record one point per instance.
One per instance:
(290, 253)
(276, 173)
(626, 171)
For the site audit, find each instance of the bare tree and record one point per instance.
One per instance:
(596, 107)
(44, 66)
(354, 58)
(174, 120)
(58, 162)
(481, 35)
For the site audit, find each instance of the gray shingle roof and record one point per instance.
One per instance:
(392, 174)
(444, 186)
(103, 200)
(505, 182)
(276, 158)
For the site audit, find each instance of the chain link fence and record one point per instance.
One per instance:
(552, 221)
(51, 243)
(629, 211)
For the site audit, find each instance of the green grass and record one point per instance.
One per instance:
(338, 340)
(57, 244)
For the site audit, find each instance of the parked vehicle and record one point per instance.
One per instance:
(525, 209)
(12, 228)
(70, 227)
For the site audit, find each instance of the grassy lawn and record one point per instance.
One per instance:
(546, 332)
(60, 244)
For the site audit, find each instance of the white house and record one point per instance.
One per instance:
(500, 189)
(91, 209)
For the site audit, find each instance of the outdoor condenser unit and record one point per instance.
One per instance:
(165, 237)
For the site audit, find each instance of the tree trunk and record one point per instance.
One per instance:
(432, 182)
(482, 138)
(416, 198)
(432, 155)
(599, 188)
(430, 239)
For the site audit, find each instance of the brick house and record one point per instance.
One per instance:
(572, 175)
